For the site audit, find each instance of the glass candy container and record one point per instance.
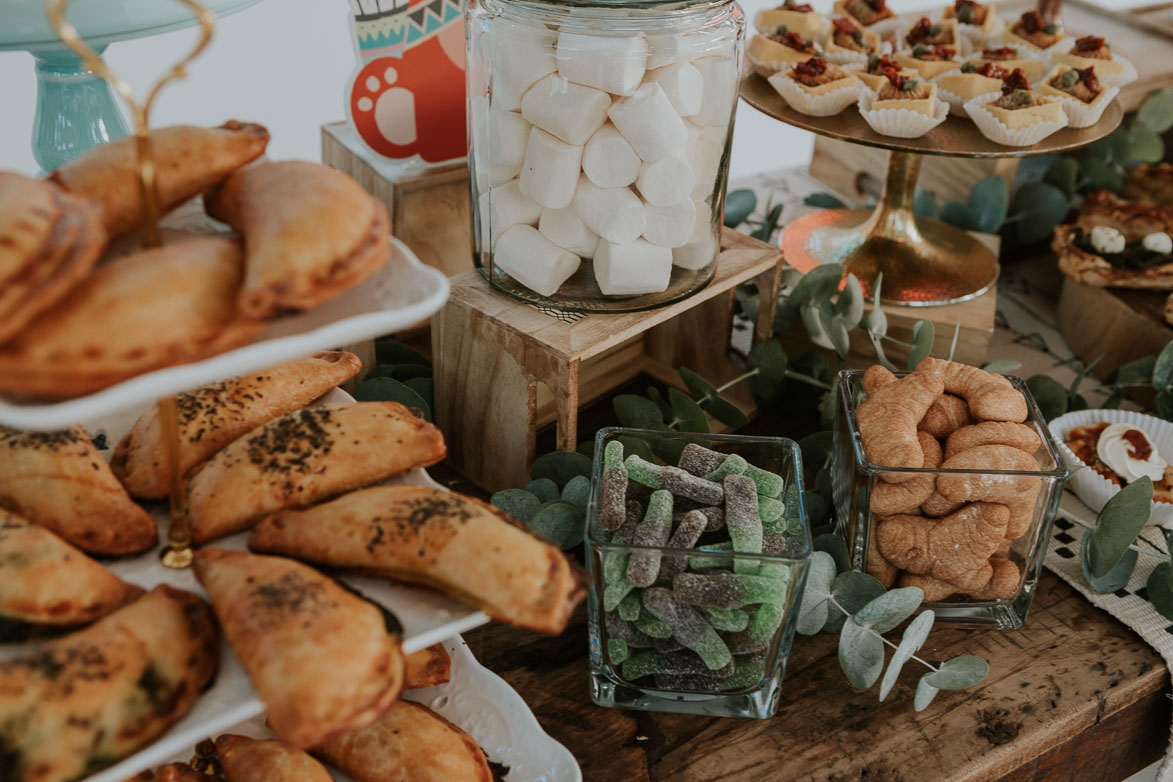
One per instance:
(600, 134)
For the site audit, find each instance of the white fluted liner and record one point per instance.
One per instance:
(900, 123)
(825, 105)
(995, 131)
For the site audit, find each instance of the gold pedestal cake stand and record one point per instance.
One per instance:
(925, 262)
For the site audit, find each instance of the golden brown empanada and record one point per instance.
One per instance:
(213, 416)
(306, 456)
(255, 760)
(188, 159)
(49, 241)
(154, 308)
(456, 544)
(84, 701)
(60, 481)
(410, 743)
(310, 233)
(323, 659)
(46, 581)
(428, 667)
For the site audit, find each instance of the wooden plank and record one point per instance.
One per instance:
(1119, 325)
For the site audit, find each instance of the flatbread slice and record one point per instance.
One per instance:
(49, 241)
(1134, 221)
(459, 545)
(322, 659)
(189, 160)
(46, 581)
(59, 481)
(310, 233)
(154, 308)
(252, 760)
(410, 742)
(213, 416)
(428, 668)
(306, 456)
(85, 701)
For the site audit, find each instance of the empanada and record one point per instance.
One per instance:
(427, 668)
(456, 544)
(49, 241)
(310, 233)
(306, 456)
(255, 760)
(188, 159)
(154, 308)
(410, 743)
(80, 703)
(46, 581)
(322, 659)
(60, 481)
(213, 416)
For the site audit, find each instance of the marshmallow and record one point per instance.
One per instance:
(671, 226)
(608, 160)
(570, 111)
(668, 49)
(533, 260)
(549, 172)
(566, 229)
(610, 64)
(701, 247)
(703, 152)
(720, 91)
(614, 213)
(632, 268)
(666, 182)
(683, 84)
(649, 123)
(505, 206)
(520, 55)
(508, 133)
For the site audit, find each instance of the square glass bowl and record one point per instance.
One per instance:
(854, 479)
(631, 668)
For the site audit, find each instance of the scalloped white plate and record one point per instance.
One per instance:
(401, 294)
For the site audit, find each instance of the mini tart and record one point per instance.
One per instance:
(820, 100)
(873, 81)
(1116, 71)
(947, 25)
(768, 56)
(968, 85)
(903, 117)
(1051, 110)
(843, 55)
(1080, 113)
(808, 24)
(926, 105)
(844, 8)
(989, 25)
(928, 69)
(1032, 68)
(1018, 41)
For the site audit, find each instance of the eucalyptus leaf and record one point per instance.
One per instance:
(767, 228)
(818, 509)
(659, 401)
(861, 655)
(959, 673)
(1063, 174)
(960, 215)
(1114, 400)
(889, 609)
(739, 205)
(911, 642)
(1163, 368)
(1117, 526)
(769, 359)
(834, 545)
(988, 203)
(812, 321)
(1156, 111)
(819, 284)
(923, 334)
(386, 389)
(388, 351)
(711, 401)
(544, 489)
(687, 413)
(638, 412)
(1049, 394)
(1164, 403)
(700, 389)
(1147, 145)
(1002, 366)
(824, 201)
(1117, 577)
(925, 693)
(518, 503)
(876, 322)
(577, 491)
(814, 608)
(835, 329)
(924, 204)
(1120, 141)
(953, 342)
(852, 590)
(750, 301)
(1100, 175)
(816, 449)
(849, 306)
(560, 466)
(634, 445)
(1040, 207)
(424, 386)
(559, 522)
(1134, 373)
(1160, 589)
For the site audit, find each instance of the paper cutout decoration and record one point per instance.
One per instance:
(408, 97)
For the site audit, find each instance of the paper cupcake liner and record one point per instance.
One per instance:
(977, 36)
(995, 131)
(1027, 51)
(955, 102)
(1091, 487)
(825, 105)
(1128, 76)
(900, 123)
(767, 68)
(1080, 114)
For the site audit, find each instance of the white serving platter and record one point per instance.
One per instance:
(401, 294)
(481, 704)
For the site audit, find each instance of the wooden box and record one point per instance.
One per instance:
(503, 368)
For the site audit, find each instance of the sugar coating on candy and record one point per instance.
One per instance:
(689, 627)
(771, 511)
(652, 626)
(641, 664)
(629, 607)
(733, 620)
(617, 628)
(617, 650)
(643, 472)
(774, 544)
(613, 595)
(667, 645)
(769, 484)
(687, 662)
(700, 461)
(705, 563)
(612, 455)
(742, 520)
(644, 564)
(746, 673)
(686, 534)
(743, 644)
(764, 623)
(635, 514)
(733, 465)
(726, 590)
(614, 501)
(779, 571)
(685, 484)
(714, 516)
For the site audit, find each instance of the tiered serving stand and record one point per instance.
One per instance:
(924, 261)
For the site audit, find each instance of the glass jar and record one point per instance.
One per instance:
(600, 134)
(854, 481)
(640, 661)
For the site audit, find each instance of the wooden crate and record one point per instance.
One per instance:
(429, 210)
(1119, 325)
(504, 368)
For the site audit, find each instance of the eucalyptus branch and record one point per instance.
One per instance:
(814, 381)
(722, 389)
(1132, 546)
(845, 612)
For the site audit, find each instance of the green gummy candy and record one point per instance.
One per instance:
(733, 465)
(613, 595)
(710, 648)
(653, 626)
(617, 650)
(629, 607)
(778, 571)
(615, 565)
(771, 512)
(643, 472)
(731, 621)
(641, 664)
(769, 484)
(701, 563)
(612, 455)
(746, 673)
(764, 623)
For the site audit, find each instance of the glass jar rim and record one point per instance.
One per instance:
(671, 7)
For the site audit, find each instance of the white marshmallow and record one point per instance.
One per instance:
(570, 111)
(508, 133)
(683, 84)
(549, 172)
(673, 48)
(632, 268)
(671, 226)
(478, 126)
(703, 152)
(720, 92)
(666, 182)
(614, 213)
(566, 229)
(520, 55)
(649, 123)
(504, 207)
(701, 247)
(533, 260)
(608, 160)
(611, 64)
